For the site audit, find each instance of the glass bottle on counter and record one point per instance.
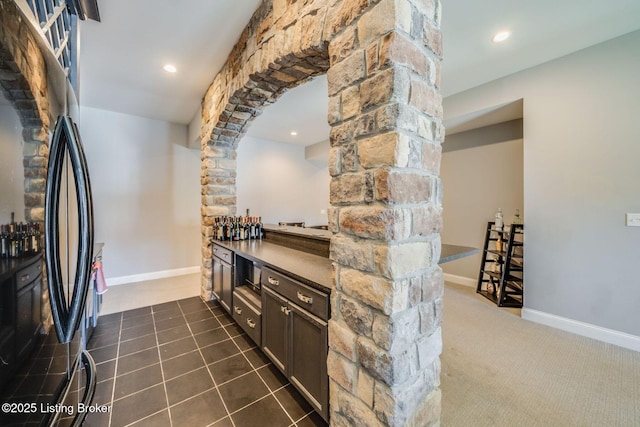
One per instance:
(4, 242)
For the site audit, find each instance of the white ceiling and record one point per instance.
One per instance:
(122, 57)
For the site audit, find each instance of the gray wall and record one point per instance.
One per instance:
(477, 181)
(581, 174)
(146, 192)
(11, 169)
(276, 182)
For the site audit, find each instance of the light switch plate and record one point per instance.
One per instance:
(632, 220)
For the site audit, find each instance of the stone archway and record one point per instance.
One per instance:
(382, 63)
(23, 79)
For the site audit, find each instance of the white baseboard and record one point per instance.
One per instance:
(460, 280)
(610, 336)
(121, 280)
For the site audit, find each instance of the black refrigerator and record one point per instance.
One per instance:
(52, 380)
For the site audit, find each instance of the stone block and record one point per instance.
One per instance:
(342, 133)
(377, 22)
(352, 253)
(351, 410)
(383, 87)
(342, 340)
(334, 114)
(346, 72)
(432, 284)
(402, 186)
(427, 220)
(365, 125)
(431, 157)
(432, 37)
(388, 149)
(403, 260)
(386, 367)
(350, 101)
(365, 387)
(397, 48)
(357, 316)
(425, 98)
(372, 58)
(348, 188)
(349, 158)
(372, 290)
(334, 161)
(429, 348)
(375, 222)
(347, 12)
(342, 45)
(397, 332)
(342, 371)
(399, 404)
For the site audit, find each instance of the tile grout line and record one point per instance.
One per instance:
(115, 370)
(164, 383)
(224, 404)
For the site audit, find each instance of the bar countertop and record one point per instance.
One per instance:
(310, 269)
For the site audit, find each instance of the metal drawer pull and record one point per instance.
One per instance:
(3, 362)
(305, 299)
(251, 323)
(237, 309)
(285, 310)
(274, 282)
(225, 255)
(24, 278)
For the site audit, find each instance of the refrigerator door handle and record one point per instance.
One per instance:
(67, 314)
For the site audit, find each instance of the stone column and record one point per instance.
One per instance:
(386, 117)
(218, 180)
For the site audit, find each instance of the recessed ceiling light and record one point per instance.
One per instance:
(294, 133)
(501, 36)
(170, 68)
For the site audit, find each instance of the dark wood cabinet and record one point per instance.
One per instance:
(222, 276)
(294, 338)
(20, 315)
(275, 328)
(308, 356)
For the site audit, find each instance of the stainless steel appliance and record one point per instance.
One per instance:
(56, 385)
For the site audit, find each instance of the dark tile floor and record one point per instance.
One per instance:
(186, 363)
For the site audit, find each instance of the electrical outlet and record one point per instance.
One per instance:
(632, 220)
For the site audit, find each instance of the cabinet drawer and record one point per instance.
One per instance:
(223, 253)
(249, 319)
(28, 274)
(310, 299)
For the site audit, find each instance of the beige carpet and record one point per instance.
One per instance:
(501, 370)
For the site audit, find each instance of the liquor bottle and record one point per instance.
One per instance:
(516, 217)
(259, 228)
(499, 223)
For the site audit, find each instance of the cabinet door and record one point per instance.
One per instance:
(308, 358)
(275, 325)
(216, 285)
(24, 321)
(227, 286)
